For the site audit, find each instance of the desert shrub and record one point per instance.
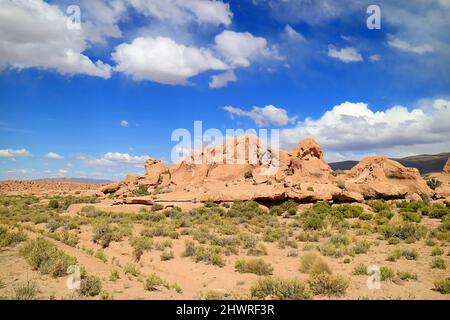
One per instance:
(386, 273)
(279, 288)
(327, 284)
(349, 211)
(379, 205)
(438, 263)
(365, 216)
(114, 276)
(248, 175)
(407, 275)
(104, 295)
(361, 246)
(142, 190)
(66, 237)
(210, 255)
(53, 204)
(248, 241)
(213, 295)
(393, 241)
(330, 250)
(442, 286)
(10, 238)
(100, 254)
(286, 242)
(256, 266)
(167, 255)
(437, 211)
(437, 251)
(430, 242)
(386, 213)
(403, 231)
(308, 237)
(103, 236)
(412, 216)
(259, 250)
(312, 221)
(157, 207)
(45, 257)
(162, 245)
(408, 254)
(26, 290)
(360, 270)
(153, 281)
(311, 262)
(273, 234)
(434, 183)
(132, 269)
(90, 286)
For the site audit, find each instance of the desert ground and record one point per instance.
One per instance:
(140, 239)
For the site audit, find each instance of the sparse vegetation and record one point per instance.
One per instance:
(256, 266)
(443, 286)
(90, 286)
(327, 284)
(312, 263)
(279, 288)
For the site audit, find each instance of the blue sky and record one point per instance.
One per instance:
(307, 68)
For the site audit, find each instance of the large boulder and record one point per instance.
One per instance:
(307, 163)
(379, 177)
(153, 171)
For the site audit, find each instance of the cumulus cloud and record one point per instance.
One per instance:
(268, 115)
(183, 11)
(35, 34)
(163, 60)
(239, 48)
(375, 58)
(405, 46)
(221, 80)
(124, 123)
(53, 155)
(346, 55)
(356, 127)
(10, 153)
(116, 159)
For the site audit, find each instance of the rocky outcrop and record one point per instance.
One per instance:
(153, 171)
(379, 177)
(447, 167)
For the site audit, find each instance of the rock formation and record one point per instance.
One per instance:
(447, 166)
(264, 174)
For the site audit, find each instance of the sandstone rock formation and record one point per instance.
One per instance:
(447, 166)
(265, 174)
(379, 177)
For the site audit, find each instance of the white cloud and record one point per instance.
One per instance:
(346, 55)
(35, 34)
(184, 11)
(405, 46)
(10, 153)
(21, 172)
(163, 60)
(221, 80)
(355, 127)
(268, 115)
(124, 123)
(293, 34)
(114, 159)
(375, 58)
(239, 48)
(53, 155)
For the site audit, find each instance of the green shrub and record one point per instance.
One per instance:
(386, 273)
(90, 286)
(403, 231)
(256, 266)
(45, 257)
(434, 183)
(132, 269)
(213, 295)
(260, 250)
(142, 190)
(154, 281)
(157, 207)
(9, 238)
(442, 286)
(26, 291)
(438, 263)
(360, 247)
(406, 275)
(103, 236)
(114, 276)
(327, 284)
(279, 288)
(393, 241)
(167, 255)
(360, 270)
(437, 251)
(104, 295)
(312, 263)
(408, 254)
(379, 205)
(365, 216)
(437, 211)
(349, 211)
(412, 216)
(53, 204)
(210, 255)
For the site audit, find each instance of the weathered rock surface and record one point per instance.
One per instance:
(447, 166)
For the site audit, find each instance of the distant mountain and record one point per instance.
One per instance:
(425, 163)
(82, 180)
